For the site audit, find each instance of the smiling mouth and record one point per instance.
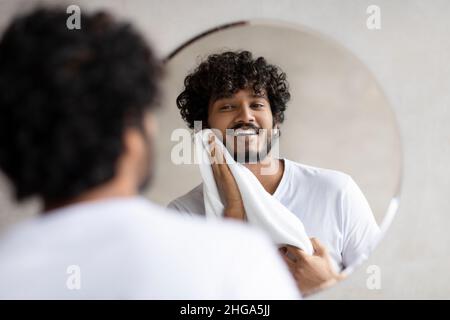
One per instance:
(245, 132)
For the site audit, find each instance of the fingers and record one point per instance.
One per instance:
(214, 157)
(298, 254)
(319, 248)
(295, 253)
(215, 151)
(290, 263)
(212, 148)
(226, 184)
(219, 164)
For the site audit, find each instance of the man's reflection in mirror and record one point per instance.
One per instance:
(240, 95)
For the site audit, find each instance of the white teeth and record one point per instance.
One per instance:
(244, 132)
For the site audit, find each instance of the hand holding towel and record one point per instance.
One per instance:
(262, 209)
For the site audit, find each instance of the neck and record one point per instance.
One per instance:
(116, 188)
(269, 172)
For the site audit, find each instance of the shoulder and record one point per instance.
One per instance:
(232, 255)
(137, 236)
(333, 186)
(197, 228)
(191, 202)
(320, 178)
(227, 239)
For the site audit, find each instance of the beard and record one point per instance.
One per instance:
(244, 150)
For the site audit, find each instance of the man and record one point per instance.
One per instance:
(241, 97)
(76, 130)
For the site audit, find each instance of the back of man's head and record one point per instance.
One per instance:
(67, 97)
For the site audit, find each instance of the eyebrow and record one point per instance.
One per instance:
(230, 95)
(259, 95)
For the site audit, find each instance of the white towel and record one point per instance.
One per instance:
(261, 208)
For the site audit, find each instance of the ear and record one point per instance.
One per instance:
(135, 139)
(133, 142)
(150, 124)
(276, 129)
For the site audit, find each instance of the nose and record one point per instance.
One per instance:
(245, 115)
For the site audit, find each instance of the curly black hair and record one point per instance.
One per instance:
(66, 97)
(222, 75)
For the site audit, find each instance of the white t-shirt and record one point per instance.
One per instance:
(330, 205)
(129, 248)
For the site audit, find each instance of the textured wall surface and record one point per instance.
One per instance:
(408, 57)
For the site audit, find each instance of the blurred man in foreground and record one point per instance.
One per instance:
(77, 130)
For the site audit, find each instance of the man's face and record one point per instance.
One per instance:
(240, 119)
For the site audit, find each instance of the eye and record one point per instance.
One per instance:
(226, 107)
(258, 105)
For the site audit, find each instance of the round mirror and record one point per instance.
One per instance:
(337, 119)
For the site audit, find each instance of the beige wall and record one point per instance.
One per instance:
(409, 58)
